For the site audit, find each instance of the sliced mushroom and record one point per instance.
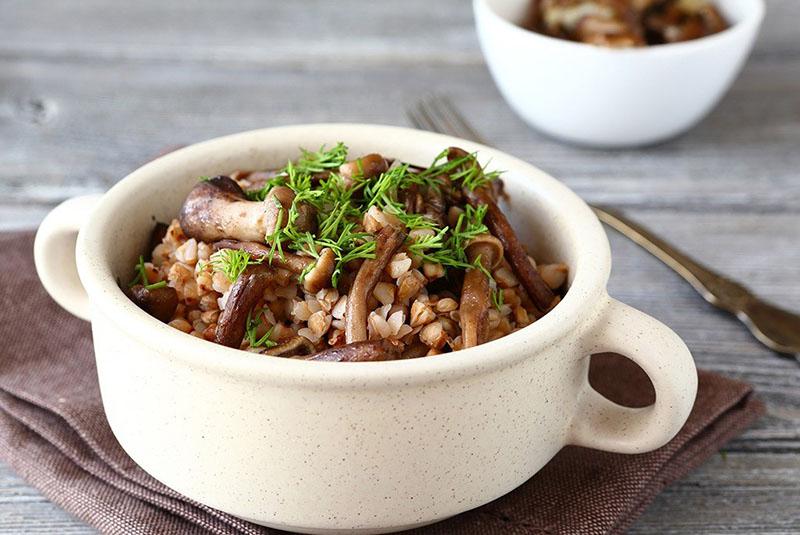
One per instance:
(244, 294)
(160, 303)
(388, 240)
(294, 347)
(537, 289)
(360, 352)
(315, 280)
(476, 295)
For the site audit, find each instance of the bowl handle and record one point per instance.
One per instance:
(54, 253)
(602, 424)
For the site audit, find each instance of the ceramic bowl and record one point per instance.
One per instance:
(369, 447)
(604, 97)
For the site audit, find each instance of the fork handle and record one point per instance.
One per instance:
(715, 288)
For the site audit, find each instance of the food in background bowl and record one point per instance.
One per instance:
(612, 97)
(625, 23)
(337, 260)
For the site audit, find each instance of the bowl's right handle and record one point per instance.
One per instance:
(602, 424)
(54, 253)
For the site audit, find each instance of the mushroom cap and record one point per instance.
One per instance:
(160, 303)
(368, 166)
(488, 248)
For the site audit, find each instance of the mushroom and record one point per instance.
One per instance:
(294, 347)
(315, 280)
(244, 294)
(368, 166)
(218, 209)
(160, 303)
(320, 275)
(388, 240)
(360, 352)
(476, 292)
(541, 295)
(487, 248)
(434, 205)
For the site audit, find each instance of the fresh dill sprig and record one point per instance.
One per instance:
(141, 277)
(386, 186)
(322, 160)
(497, 298)
(464, 169)
(298, 175)
(349, 245)
(232, 262)
(340, 207)
(251, 335)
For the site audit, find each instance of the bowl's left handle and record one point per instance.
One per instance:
(54, 253)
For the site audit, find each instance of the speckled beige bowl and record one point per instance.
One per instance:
(371, 447)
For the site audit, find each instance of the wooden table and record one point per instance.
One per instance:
(89, 91)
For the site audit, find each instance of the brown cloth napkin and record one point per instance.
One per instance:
(53, 432)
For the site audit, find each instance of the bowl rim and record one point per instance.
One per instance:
(752, 19)
(585, 296)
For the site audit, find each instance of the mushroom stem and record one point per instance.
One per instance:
(496, 221)
(293, 262)
(294, 347)
(244, 294)
(474, 308)
(315, 280)
(359, 352)
(388, 240)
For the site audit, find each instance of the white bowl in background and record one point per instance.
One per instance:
(605, 97)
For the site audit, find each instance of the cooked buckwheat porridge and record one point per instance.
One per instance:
(339, 259)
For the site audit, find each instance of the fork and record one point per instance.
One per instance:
(774, 327)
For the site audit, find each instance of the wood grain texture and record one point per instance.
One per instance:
(90, 90)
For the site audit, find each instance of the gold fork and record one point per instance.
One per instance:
(774, 327)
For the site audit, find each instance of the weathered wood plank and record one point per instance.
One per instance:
(269, 33)
(72, 127)
(737, 493)
(24, 510)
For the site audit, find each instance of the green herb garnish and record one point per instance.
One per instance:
(232, 262)
(141, 277)
(340, 209)
(250, 332)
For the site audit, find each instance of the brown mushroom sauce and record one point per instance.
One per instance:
(348, 269)
(625, 23)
